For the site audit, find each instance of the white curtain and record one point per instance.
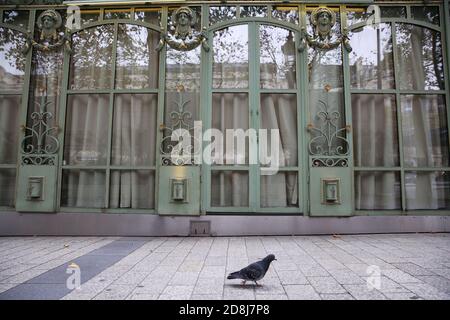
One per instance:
(375, 144)
(9, 129)
(425, 141)
(279, 112)
(134, 121)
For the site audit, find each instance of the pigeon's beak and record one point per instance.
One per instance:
(275, 259)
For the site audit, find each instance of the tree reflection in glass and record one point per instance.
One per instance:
(230, 56)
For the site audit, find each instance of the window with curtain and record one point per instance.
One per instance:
(399, 135)
(231, 177)
(12, 74)
(111, 118)
(230, 188)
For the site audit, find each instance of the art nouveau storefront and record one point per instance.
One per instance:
(91, 93)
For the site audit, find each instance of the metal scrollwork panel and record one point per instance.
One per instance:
(174, 148)
(40, 145)
(328, 146)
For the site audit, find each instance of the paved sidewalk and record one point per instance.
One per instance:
(411, 266)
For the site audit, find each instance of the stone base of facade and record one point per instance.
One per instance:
(101, 224)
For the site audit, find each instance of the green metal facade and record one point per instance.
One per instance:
(309, 177)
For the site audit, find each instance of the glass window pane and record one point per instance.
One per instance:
(117, 14)
(132, 189)
(230, 54)
(16, 17)
(377, 190)
(375, 138)
(421, 63)
(285, 13)
(46, 84)
(253, 11)
(427, 190)
(88, 16)
(222, 13)
(230, 111)
(91, 63)
(7, 187)
(371, 62)
(9, 128)
(229, 189)
(137, 60)
(279, 112)
(86, 139)
(356, 15)
(425, 131)
(279, 190)
(12, 59)
(183, 68)
(134, 129)
(392, 12)
(277, 58)
(149, 15)
(426, 13)
(83, 188)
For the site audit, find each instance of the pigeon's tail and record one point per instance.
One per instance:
(234, 275)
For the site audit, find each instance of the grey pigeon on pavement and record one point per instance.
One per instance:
(253, 272)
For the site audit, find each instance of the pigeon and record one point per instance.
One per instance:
(253, 272)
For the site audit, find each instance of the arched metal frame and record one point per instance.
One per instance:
(206, 95)
(397, 92)
(254, 94)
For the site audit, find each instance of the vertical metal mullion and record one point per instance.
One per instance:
(304, 107)
(399, 113)
(347, 103)
(205, 111)
(299, 70)
(111, 114)
(445, 17)
(62, 122)
(161, 99)
(253, 110)
(25, 93)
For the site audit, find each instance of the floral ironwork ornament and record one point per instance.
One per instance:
(323, 20)
(49, 22)
(182, 36)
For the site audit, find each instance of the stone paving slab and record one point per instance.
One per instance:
(411, 267)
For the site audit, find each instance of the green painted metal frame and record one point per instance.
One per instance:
(397, 92)
(24, 93)
(112, 91)
(254, 93)
(206, 100)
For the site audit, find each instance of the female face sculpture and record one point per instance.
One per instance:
(183, 19)
(323, 20)
(49, 21)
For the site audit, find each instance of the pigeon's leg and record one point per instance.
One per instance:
(243, 282)
(257, 284)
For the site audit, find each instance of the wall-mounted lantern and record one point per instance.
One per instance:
(331, 191)
(178, 189)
